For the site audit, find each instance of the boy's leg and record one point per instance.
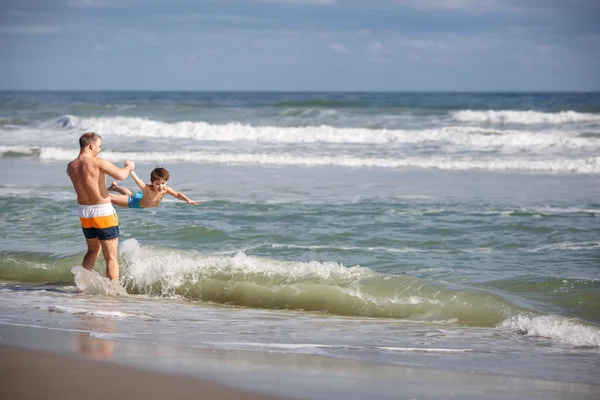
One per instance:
(120, 200)
(120, 189)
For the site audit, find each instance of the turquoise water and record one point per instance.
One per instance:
(398, 229)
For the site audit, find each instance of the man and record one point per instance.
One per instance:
(98, 218)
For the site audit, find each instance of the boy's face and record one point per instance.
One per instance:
(159, 184)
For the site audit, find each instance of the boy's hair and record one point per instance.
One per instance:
(159, 173)
(87, 138)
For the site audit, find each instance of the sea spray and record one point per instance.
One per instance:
(91, 282)
(557, 328)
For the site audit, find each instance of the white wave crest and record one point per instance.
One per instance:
(559, 329)
(471, 137)
(524, 117)
(25, 150)
(590, 165)
(173, 268)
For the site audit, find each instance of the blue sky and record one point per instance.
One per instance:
(390, 45)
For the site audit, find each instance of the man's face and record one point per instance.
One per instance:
(96, 147)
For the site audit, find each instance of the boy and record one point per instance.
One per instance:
(151, 194)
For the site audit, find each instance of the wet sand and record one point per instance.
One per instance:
(35, 374)
(57, 364)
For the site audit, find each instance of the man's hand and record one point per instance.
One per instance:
(130, 164)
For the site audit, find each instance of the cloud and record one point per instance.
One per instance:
(88, 3)
(151, 39)
(299, 2)
(425, 44)
(30, 30)
(376, 48)
(232, 18)
(338, 48)
(544, 49)
(469, 6)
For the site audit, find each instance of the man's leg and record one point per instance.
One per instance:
(91, 256)
(109, 250)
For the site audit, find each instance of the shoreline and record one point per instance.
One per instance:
(40, 363)
(40, 374)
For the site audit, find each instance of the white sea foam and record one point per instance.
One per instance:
(524, 117)
(311, 346)
(381, 249)
(91, 282)
(26, 150)
(559, 329)
(471, 137)
(84, 311)
(35, 192)
(567, 210)
(568, 246)
(585, 165)
(424, 350)
(589, 165)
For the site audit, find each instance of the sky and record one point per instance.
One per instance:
(306, 45)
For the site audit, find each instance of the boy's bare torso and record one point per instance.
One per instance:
(152, 197)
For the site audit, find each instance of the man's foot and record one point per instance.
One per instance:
(114, 186)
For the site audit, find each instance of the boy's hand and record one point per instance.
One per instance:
(192, 202)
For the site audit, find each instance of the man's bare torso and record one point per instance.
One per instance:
(89, 180)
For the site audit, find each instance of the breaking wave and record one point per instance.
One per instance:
(524, 117)
(470, 137)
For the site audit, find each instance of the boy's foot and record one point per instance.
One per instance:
(113, 186)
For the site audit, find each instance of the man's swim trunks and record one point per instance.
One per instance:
(134, 200)
(99, 221)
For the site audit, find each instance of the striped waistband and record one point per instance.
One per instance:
(95, 210)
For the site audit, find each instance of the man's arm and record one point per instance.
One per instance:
(114, 171)
(181, 196)
(141, 184)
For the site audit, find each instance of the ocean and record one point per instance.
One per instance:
(338, 235)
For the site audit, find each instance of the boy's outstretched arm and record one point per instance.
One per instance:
(181, 196)
(141, 184)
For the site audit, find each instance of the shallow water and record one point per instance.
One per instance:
(457, 232)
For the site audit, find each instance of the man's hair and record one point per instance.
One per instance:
(159, 173)
(87, 138)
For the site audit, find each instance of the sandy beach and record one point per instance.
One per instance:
(35, 374)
